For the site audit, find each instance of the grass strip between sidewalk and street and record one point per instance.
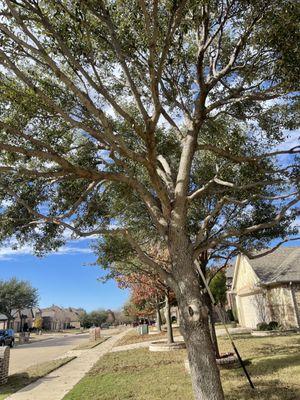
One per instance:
(19, 380)
(91, 345)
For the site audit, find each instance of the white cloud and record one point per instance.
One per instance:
(7, 253)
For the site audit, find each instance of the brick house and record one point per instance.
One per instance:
(23, 319)
(56, 318)
(268, 288)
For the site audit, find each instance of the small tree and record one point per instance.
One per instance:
(148, 294)
(110, 317)
(218, 287)
(85, 320)
(94, 318)
(217, 284)
(131, 311)
(38, 323)
(16, 295)
(98, 317)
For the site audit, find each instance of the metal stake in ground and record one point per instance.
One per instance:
(224, 324)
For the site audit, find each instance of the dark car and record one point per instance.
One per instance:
(7, 337)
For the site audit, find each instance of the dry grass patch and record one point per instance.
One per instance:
(141, 375)
(18, 381)
(91, 345)
(135, 374)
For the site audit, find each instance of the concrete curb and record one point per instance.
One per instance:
(164, 346)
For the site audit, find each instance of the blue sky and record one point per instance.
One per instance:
(63, 278)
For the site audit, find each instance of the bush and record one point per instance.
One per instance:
(262, 326)
(273, 325)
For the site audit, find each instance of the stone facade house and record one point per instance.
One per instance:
(268, 288)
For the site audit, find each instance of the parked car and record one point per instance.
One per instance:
(7, 337)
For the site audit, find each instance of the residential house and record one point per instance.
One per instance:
(23, 319)
(57, 318)
(3, 321)
(267, 288)
(73, 316)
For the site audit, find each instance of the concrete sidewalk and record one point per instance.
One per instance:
(58, 383)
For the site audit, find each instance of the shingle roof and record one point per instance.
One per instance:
(282, 265)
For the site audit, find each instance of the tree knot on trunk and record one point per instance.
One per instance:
(196, 311)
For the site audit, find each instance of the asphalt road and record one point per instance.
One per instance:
(24, 356)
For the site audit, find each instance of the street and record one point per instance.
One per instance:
(24, 356)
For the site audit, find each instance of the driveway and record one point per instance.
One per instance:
(22, 357)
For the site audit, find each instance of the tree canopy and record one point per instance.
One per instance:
(103, 97)
(16, 295)
(93, 318)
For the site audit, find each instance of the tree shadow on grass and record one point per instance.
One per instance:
(269, 365)
(270, 390)
(272, 349)
(15, 382)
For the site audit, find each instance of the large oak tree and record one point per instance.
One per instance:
(174, 110)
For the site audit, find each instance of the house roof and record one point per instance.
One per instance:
(282, 265)
(69, 313)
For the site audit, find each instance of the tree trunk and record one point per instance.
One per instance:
(168, 320)
(194, 325)
(8, 322)
(212, 328)
(201, 354)
(158, 319)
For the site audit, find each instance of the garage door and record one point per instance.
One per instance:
(249, 310)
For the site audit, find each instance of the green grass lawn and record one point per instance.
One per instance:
(142, 375)
(18, 381)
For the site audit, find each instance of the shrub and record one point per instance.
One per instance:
(273, 325)
(262, 326)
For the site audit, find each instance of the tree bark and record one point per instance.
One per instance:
(205, 374)
(168, 320)
(158, 319)
(213, 330)
(10, 319)
(194, 321)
